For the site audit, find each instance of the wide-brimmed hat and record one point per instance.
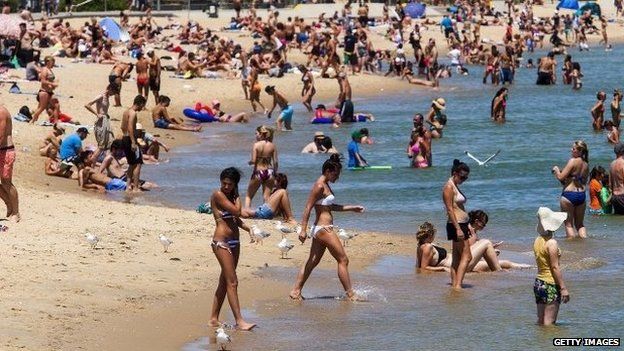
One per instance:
(319, 135)
(548, 220)
(439, 103)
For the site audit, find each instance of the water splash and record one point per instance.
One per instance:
(368, 294)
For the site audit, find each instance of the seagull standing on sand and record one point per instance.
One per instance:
(282, 228)
(165, 242)
(259, 234)
(345, 236)
(285, 246)
(92, 239)
(222, 338)
(479, 162)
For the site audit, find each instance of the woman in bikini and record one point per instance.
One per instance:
(308, 90)
(277, 205)
(264, 161)
(616, 108)
(47, 77)
(255, 87)
(573, 177)
(498, 107)
(416, 150)
(598, 110)
(322, 232)
(226, 207)
(457, 224)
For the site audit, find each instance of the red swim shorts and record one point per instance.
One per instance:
(7, 158)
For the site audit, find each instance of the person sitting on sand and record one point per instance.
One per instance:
(52, 142)
(277, 204)
(71, 146)
(226, 117)
(188, 67)
(161, 117)
(115, 164)
(150, 145)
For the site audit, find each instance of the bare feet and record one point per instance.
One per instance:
(15, 218)
(296, 295)
(352, 296)
(214, 323)
(244, 326)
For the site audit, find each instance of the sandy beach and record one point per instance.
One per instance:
(127, 294)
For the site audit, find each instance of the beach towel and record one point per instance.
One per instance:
(204, 208)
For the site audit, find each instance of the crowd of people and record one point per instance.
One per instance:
(115, 163)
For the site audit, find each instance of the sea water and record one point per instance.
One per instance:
(410, 311)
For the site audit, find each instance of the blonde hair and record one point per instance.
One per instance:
(580, 145)
(425, 231)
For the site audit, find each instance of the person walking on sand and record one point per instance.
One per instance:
(457, 229)
(142, 78)
(308, 90)
(226, 209)
(154, 73)
(616, 180)
(549, 288)
(8, 192)
(323, 236)
(286, 116)
(48, 84)
(574, 178)
(130, 145)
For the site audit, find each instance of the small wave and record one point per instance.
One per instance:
(369, 293)
(585, 264)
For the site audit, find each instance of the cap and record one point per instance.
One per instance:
(82, 130)
(216, 102)
(139, 126)
(319, 135)
(439, 103)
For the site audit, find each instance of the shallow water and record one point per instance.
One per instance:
(409, 311)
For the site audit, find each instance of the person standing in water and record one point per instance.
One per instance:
(549, 288)
(264, 162)
(226, 207)
(285, 117)
(130, 145)
(616, 180)
(616, 107)
(457, 229)
(573, 177)
(499, 106)
(597, 112)
(308, 90)
(323, 235)
(355, 158)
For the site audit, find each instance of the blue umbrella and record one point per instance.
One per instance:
(415, 10)
(113, 31)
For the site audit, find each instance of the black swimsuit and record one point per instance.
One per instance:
(441, 254)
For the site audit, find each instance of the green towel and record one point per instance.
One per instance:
(204, 208)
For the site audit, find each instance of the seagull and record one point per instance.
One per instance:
(282, 228)
(165, 242)
(259, 234)
(482, 163)
(345, 236)
(92, 239)
(285, 246)
(222, 338)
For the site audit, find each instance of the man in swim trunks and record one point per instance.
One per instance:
(355, 159)
(89, 179)
(546, 70)
(286, 115)
(142, 79)
(8, 192)
(617, 180)
(130, 145)
(154, 73)
(120, 72)
(161, 117)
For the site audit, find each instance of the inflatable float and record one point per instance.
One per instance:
(200, 113)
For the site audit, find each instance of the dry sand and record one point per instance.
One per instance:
(58, 294)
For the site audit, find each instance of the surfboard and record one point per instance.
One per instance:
(370, 168)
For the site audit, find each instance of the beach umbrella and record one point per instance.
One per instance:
(568, 4)
(415, 9)
(113, 31)
(9, 26)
